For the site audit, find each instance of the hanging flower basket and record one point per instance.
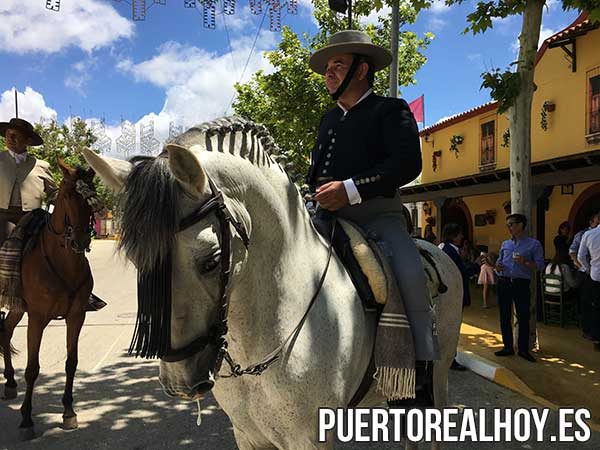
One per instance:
(437, 154)
(455, 141)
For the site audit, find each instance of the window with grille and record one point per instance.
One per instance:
(488, 143)
(594, 105)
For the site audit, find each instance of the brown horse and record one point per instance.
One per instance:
(57, 283)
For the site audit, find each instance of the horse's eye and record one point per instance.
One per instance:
(210, 264)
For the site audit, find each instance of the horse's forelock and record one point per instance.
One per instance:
(149, 212)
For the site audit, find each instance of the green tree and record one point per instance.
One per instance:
(66, 142)
(291, 100)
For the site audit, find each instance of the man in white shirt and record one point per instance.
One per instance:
(23, 179)
(589, 257)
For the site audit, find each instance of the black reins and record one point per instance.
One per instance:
(217, 333)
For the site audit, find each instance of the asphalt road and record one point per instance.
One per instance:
(121, 406)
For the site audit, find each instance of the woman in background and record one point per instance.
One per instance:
(561, 244)
(487, 276)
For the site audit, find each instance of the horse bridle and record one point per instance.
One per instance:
(69, 231)
(217, 332)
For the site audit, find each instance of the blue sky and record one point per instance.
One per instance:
(92, 60)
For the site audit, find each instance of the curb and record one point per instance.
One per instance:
(507, 378)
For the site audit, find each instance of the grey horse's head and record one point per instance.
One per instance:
(179, 271)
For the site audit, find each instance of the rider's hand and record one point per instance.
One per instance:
(332, 196)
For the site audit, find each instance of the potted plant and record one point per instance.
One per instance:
(437, 154)
(455, 141)
(506, 138)
(547, 107)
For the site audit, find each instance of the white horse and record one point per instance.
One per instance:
(271, 284)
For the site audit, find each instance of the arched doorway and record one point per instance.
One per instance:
(587, 201)
(456, 211)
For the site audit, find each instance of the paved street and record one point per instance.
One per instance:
(121, 405)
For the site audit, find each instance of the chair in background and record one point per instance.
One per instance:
(559, 306)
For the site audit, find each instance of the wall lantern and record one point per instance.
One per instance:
(566, 189)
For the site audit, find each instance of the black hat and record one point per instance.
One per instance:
(23, 126)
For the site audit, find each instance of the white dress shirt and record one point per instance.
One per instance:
(589, 253)
(351, 189)
(18, 157)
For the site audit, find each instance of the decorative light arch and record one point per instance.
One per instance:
(139, 8)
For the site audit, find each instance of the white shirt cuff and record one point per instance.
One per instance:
(352, 192)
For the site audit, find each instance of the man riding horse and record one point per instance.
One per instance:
(24, 179)
(367, 147)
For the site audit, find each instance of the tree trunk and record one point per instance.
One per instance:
(520, 128)
(520, 113)
(394, 48)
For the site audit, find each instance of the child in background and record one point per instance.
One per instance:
(487, 276)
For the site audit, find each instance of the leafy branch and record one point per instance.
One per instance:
(504, 87)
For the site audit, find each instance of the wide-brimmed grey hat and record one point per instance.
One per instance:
(350, 41)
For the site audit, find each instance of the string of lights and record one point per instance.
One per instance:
(140, 8)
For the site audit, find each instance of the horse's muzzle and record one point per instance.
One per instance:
(188, 379)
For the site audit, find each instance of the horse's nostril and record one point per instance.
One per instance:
(203, 387)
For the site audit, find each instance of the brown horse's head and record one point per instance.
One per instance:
(76, 199)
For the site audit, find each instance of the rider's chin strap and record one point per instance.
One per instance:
(351, 71)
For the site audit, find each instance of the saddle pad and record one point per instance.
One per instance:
(367, 260)
(371, 267)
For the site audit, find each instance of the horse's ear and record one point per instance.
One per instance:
(112, 172)
(65, 168)
(90, 174)
(187, 169)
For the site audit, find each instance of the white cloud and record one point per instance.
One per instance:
(545, 33)
(80, 74)
(439, 7)
(32, 106)
(474, 56)
(27, 26)
(373, 18)
(436, 23)
(444, 118)
(198, 84)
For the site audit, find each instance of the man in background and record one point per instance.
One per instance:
(520, 257)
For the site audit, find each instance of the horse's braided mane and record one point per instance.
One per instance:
(151, 191)
(266, 154)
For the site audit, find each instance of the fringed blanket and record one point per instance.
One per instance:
(394, 347)
(11, 254)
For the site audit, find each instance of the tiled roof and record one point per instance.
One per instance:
(489, 106)
(582, 23)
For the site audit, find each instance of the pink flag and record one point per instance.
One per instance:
(418, 108)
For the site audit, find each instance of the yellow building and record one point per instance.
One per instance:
(468, 182)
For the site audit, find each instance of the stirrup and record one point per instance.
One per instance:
(95, 303)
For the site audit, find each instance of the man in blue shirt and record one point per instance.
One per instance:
(585, 290)
(519, 258)
(593, 222)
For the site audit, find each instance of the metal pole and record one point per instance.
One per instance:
(349, 14)
(16, 105)
(394, 48)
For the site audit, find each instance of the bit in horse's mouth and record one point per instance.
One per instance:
(186, 393)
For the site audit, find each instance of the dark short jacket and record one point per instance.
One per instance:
(376, 144)
(465, 271)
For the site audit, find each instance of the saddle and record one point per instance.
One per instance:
(362, 260)
(20, 242)
(376, 284)
(22, 239)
